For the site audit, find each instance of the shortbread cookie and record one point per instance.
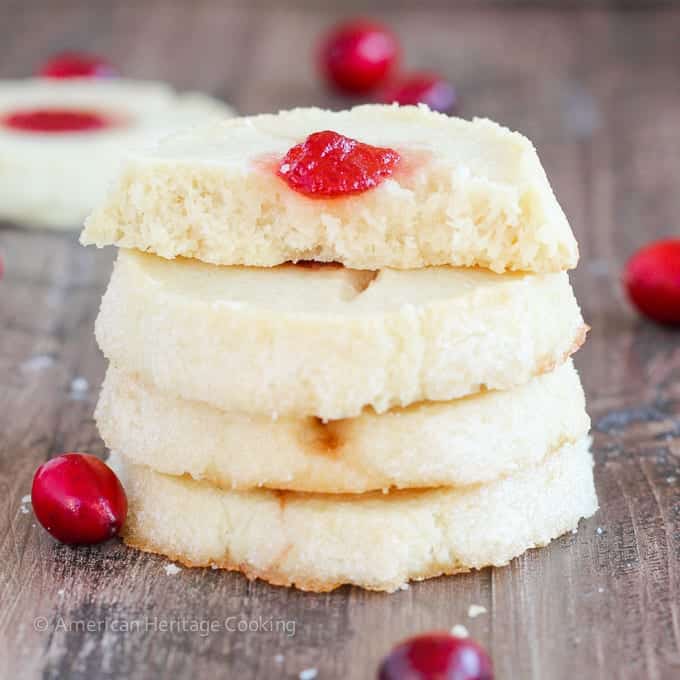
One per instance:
(328, 341)
(378, 541)
(463, 193)
(61, 141)
(461, 442)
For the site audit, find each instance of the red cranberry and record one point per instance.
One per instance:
(55, 120)
(652, 280)
(358, 55)
(422, 88)
(327, 165)
(78, 499)
(436, 656)
(77, 65)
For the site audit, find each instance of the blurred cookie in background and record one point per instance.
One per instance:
(63, 134)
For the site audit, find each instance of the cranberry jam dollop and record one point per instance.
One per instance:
(330, 165)
(49, 120)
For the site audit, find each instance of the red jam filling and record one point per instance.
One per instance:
(75, 65)
(330, 165)
(55, 120)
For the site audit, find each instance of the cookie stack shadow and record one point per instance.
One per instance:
(366, 389)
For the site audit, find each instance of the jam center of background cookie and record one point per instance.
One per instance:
(51, 120)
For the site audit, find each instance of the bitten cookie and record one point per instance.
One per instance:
(455, 193)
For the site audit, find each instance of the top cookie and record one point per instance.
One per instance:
(459, 193)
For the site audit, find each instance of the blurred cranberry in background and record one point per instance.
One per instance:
(421, 88)
(652, 280)
(357, 56)
(436, 656)
(77, 65)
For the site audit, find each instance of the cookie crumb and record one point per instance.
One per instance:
(79, 384)
(475, 610)
(37, 363)
(26, 499)
(172, 569)
(78, 388)
(308, 674)
(460, 631)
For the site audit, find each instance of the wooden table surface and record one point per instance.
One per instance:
(599, 93)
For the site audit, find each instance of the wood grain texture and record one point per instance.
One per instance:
(599, 93)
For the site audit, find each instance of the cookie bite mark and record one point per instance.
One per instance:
(323, 438)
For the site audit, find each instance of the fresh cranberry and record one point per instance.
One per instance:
(357, 56)
(77, 65)
(328, 165)
(436, 656)
(55, 120)
(652, 279)
(78, 499)
(422, 88)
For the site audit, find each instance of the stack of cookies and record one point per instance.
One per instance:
(340, 346)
